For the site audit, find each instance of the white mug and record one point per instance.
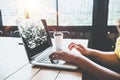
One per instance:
(58, 38)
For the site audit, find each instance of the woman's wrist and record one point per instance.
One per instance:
(88, 52)
(73, 58)
(92, 52)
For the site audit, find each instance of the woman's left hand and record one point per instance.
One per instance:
(62, 55)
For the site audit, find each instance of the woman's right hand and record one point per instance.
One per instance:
(80, 48)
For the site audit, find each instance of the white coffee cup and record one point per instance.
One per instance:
(58, 38)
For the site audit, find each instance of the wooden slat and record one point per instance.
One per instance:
(26, 73)
(46, 74)
(69, 75)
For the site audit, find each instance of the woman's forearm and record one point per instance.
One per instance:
(104, 58)
(94, 69)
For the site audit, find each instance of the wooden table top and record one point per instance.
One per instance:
(14, 64)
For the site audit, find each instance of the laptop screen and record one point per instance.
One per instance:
(34, 35)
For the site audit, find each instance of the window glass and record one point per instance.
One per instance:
(71, 12)
(8, 11)
(75, 12)
(114, 12)
(42, 9)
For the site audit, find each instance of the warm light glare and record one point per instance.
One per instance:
(38, 6)
(32, 5)
(34, 8)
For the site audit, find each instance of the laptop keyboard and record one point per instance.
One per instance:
(44, 59)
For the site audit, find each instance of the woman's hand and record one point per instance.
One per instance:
(69, 56)
(62, 55)
(80, 48)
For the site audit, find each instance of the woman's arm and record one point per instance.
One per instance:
(107, 59)
(97, 71)
(87, 65)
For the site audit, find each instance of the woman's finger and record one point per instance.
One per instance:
(71, 46)
(53, 55)
(81, 46)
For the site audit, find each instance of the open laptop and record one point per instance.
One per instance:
(38, 44)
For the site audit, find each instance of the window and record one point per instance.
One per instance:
(45, 9)
(75, 12)
(114, 12)
(37, 8)
(8, 11)
(80, 13)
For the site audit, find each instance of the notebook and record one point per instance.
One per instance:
(38, 44)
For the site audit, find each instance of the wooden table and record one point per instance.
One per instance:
(14, 64)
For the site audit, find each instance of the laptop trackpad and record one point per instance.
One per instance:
(54, 61)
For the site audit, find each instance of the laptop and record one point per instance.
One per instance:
(38, 44)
